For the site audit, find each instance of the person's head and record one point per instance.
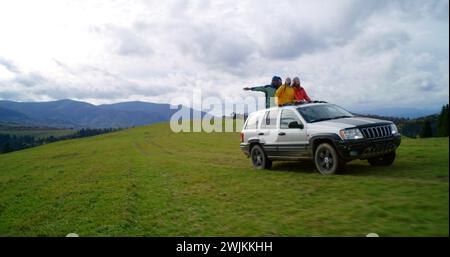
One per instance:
(287, 81)
(276, 81)
(296, 82)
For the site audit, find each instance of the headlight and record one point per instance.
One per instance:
(394, 129)
(351, 134)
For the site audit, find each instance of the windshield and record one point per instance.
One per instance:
(317, 113)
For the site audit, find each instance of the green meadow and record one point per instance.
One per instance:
(149, 181)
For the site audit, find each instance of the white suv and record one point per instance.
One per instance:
(326, 133)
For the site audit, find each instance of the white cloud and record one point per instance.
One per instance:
(357, 53)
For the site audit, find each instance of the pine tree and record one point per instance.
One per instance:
(426, 130)
(443, 122)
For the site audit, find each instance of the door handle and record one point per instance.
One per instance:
(260, 134)
(282, 134)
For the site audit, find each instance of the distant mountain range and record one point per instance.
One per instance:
(400, 112)
(75, 114)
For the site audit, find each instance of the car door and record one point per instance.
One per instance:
(292, 142)
(251, 128)
(268, 132)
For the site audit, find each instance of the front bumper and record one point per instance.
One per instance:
(367, 148)
(245, 149)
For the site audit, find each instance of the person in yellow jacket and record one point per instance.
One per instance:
(285, 94)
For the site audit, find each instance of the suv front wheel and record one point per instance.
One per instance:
(259, 158)
(327, 160)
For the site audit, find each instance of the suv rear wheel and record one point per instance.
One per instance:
(327, 160)
(384, 160)
(259, 158)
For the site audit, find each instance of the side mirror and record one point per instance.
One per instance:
(295, 124)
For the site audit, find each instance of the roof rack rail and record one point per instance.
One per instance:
(303, 102)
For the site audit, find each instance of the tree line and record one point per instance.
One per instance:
(10, 142)
(441, 124)
(428, 126)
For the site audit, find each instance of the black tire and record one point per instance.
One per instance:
(384, 160)
(259, 158)
(327, 159)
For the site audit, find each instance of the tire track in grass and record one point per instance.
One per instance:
(145, 152)
(129, 211)
(140, 149)
(149, 140)
(164, 150)
(130, 224)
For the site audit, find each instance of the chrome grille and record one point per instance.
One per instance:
(377, 131)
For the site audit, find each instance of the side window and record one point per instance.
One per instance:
(270, 120)
(252, 122)
(288, 116)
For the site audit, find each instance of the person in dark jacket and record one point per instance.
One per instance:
(268, 90)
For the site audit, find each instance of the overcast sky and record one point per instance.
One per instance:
(360, 54)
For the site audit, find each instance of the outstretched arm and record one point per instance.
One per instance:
(260, 89)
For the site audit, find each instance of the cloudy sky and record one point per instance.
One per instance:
(360, 54)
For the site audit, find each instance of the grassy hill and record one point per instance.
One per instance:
(148, 181)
